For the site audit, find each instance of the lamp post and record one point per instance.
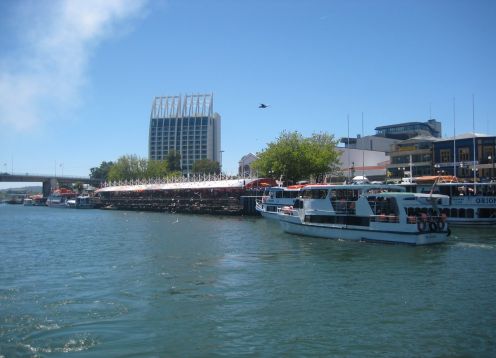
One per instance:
(490, 157)
(221, 151)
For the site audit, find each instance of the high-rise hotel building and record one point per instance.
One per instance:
(186, 125)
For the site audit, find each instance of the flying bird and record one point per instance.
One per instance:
(263, 105)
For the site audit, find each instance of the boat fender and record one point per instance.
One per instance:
(433, 226)
(422, 225)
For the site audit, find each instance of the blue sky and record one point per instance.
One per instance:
(77, 78)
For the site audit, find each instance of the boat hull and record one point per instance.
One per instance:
(342, 232)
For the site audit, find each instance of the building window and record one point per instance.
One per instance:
(464, 154)
(445, 155)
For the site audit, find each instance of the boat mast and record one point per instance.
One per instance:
(473, 140)
(454, 140)
(349, 170)
(363, 154)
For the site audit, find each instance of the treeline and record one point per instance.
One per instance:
(129, 167)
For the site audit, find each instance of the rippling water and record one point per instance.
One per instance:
(116, 283)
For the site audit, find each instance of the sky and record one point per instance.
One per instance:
(77, 78)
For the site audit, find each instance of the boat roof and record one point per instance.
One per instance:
(354, 186)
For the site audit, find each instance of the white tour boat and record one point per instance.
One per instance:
(275, 198)
(469, 205)
(379, 213)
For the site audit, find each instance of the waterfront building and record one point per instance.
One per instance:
(456, 157)
(370, 142)
(245, 169)
(358, 162)
(187, 125)
(403, 131)
(387, 136)
(412, 157)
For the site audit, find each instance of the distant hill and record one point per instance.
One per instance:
(26, 189)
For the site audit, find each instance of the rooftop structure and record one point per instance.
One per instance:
(410, 129)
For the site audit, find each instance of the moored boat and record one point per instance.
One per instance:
(275, 198)
(378, 213)
(469, 205)
(59, 198)
(28, 202)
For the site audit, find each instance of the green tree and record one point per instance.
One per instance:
(293, 157)
(101, 172)
(157, 169)
(206, 166)
(174, 160)
(128, 167)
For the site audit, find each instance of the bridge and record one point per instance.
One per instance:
(49, 181)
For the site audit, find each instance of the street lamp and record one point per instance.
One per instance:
(489, 157)
(437, 166)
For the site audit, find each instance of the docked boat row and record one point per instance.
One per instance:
(377, 213)
(470, 204)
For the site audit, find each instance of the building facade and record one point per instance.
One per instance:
(409, 130)
(456, 157)
(358, 162)
(187, 125)
(370, 142)
(245, 169)
(412, 157)
(388, 136)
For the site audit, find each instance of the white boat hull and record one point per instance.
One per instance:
(293, 225)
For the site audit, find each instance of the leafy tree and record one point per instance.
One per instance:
(128, 167)
(101, 172)
(174, 160)
(293, 157)
(157, 169)
(206, 166)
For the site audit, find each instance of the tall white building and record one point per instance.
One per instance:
(186, 125)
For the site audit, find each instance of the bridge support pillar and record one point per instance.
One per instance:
(48, 186)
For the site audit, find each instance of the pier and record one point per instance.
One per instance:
(208, 195)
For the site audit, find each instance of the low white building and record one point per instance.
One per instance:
(368, 163)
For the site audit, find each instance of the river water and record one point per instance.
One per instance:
(119, 283)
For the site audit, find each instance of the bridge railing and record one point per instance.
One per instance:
(38, 175)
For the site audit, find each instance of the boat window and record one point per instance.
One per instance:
(454, 213)
(343, 200)
(314, 194)
(470, 213)
(384, 190)
(485, 213)
(279, 194)
(461, 213)
(291, 194)
(383, 206)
